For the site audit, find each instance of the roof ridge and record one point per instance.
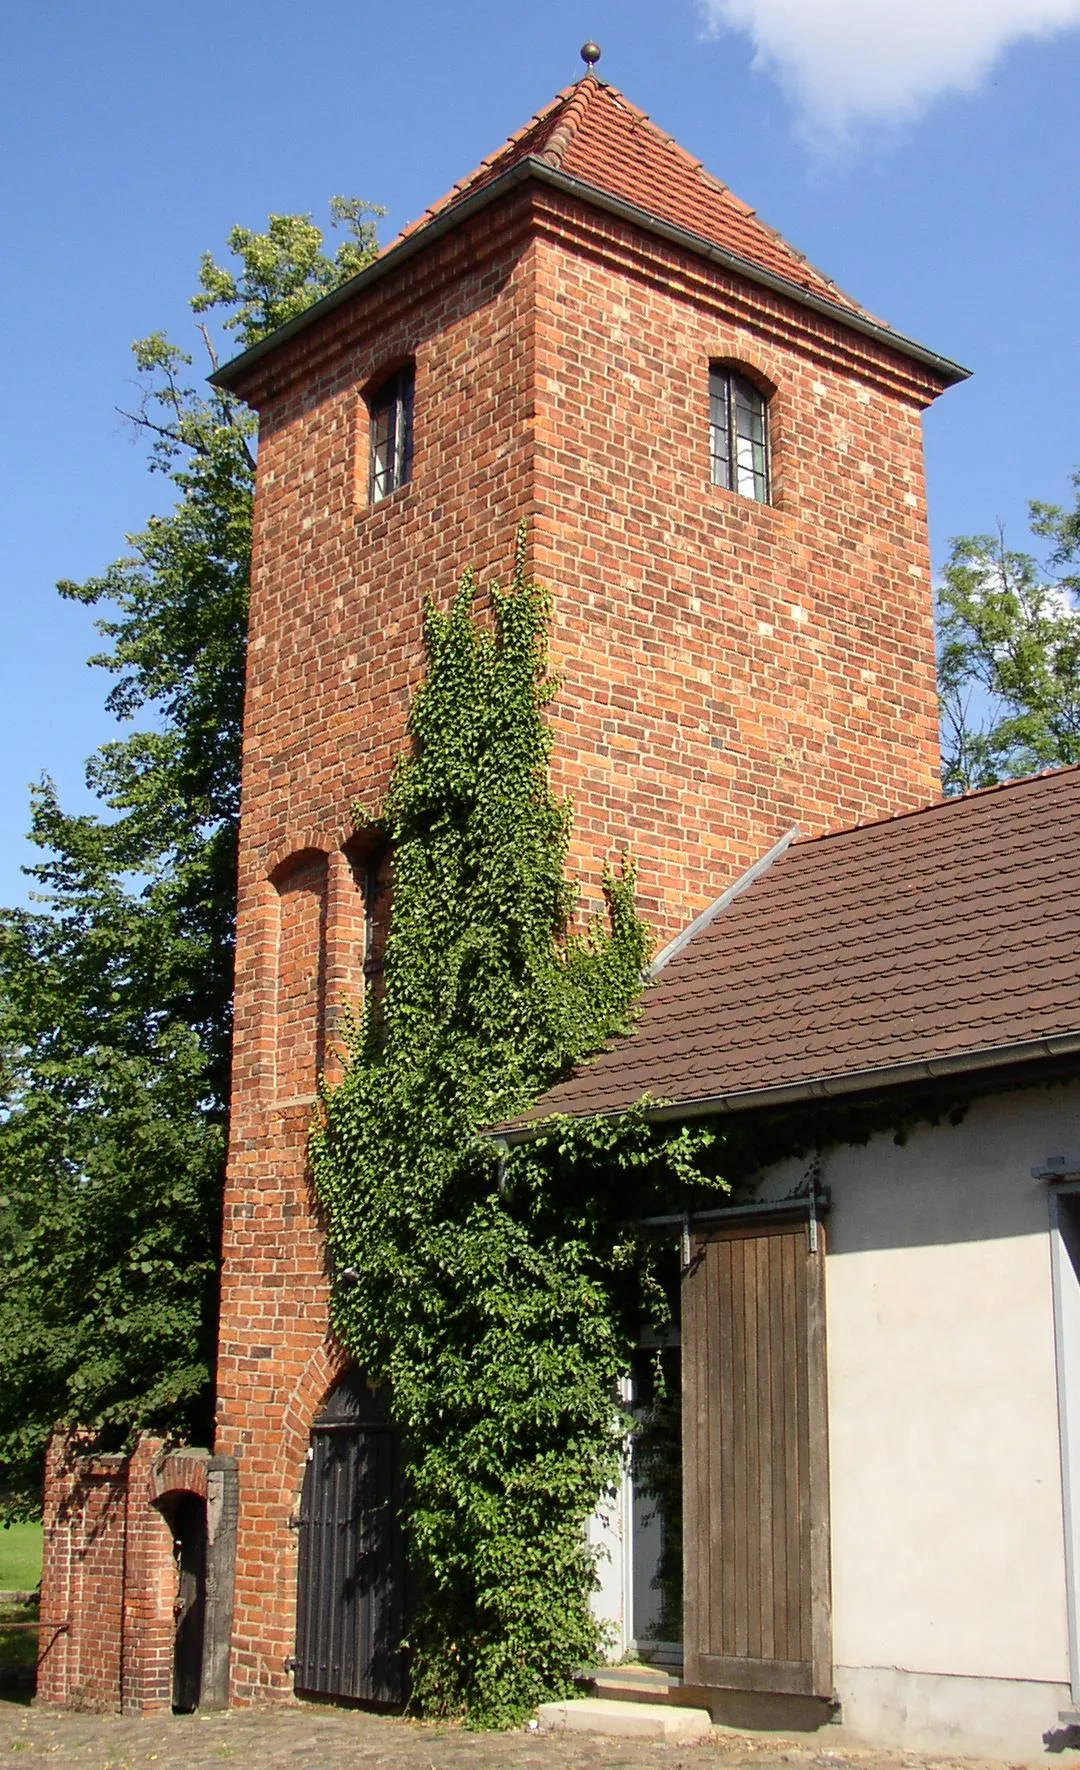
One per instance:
(691, 160)
(727, 897)
(943, 804)
(474, 177)
(569, 121)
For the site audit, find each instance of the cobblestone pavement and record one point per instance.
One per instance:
(335, 1739)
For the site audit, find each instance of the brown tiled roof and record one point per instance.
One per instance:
(950, 930)
(591, 132)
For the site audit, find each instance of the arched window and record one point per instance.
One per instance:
(391, 408)
(738, 434)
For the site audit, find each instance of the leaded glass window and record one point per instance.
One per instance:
(738, 435)
(391, 435)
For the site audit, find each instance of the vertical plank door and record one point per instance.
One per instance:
(755, 1460)
(351, 1578)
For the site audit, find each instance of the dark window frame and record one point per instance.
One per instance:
(739, 434)
(390, 434)
(378, 887)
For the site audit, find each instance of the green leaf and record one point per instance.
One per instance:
(115, 984)
(498, 1300)
(1009, 654)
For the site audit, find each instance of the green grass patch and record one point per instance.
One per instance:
(18, 1650)
(20, 1557)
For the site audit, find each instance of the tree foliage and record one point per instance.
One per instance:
(115, 983)
(497, 1295)
(1009, 653)
(283, 271)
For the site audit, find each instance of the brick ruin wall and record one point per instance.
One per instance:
(109, 1576)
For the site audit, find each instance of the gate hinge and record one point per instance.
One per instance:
(295, 1521)
(291, 1662)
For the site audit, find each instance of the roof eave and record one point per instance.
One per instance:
(948, 372)
(863, 1081)
(387, 262)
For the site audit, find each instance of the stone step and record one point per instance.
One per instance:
(637, 1683)
(625, 1720)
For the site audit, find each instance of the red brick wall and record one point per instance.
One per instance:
(108, 1576)
(728, 670)
(82, 1578)
(335, 651)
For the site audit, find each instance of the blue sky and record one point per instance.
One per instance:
(923, 152)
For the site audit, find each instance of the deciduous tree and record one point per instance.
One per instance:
(1009, 653)
(115, 983)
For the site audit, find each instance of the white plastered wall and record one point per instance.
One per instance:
(949, 1588)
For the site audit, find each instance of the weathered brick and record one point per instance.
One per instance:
(727, 669)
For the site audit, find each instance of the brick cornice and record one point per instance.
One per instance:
(404, 293)
(264, 370)
(780, 320)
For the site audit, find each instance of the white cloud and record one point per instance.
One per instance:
(851, 61)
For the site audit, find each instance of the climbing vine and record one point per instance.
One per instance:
(497, 1293)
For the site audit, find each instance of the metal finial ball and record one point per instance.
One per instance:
(590, 54)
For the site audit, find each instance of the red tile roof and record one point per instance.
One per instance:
(949, 930)
(591, 132)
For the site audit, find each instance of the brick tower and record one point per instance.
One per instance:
(719, 456)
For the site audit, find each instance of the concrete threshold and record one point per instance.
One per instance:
(625, 1720)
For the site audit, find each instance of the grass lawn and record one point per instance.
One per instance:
(20, 1557)
(18, 1651)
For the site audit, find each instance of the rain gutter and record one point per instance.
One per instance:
(532, 168)
(856, 1081)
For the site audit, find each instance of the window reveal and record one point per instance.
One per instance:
(378, 902)
(391, 436)
(738, 435)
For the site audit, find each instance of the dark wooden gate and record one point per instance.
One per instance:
(351, 1598)
(189, 1608)
(755, 1459)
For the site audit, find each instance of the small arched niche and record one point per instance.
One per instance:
(372, 873)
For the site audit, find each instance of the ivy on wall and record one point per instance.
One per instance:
(497, 1293)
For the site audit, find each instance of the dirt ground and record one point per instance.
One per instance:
(317, 1738)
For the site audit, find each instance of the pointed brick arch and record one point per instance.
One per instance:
(325, 1367)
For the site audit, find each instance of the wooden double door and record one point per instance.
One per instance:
(755, 1458)
(352, 1584)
